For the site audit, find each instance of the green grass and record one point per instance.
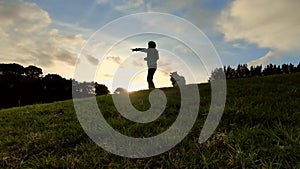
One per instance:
(260, 128)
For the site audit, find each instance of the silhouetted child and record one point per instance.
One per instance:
(152, 57)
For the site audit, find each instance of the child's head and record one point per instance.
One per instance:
(151, 44)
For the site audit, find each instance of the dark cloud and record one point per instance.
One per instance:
(92, 60)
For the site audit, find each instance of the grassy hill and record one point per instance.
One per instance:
(260, 128)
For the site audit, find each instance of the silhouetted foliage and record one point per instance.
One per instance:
(84, 89)
(242, 71)
(12, 69)
(26, 85)
(33, 72)
(217, 74)
(101, 89)
(54, 87)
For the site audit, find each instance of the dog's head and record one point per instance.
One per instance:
(174, 74)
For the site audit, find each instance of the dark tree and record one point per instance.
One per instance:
(292, 68)
(56, 88)
(230, 73)
(33, 72)
(285, 68)
(101, 89)
(217, 74)
(83, 89)
(298, 67)
(242, 71)
(11, 69)
(23, 86)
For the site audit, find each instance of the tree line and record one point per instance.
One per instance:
(21, 86)
(242, 71)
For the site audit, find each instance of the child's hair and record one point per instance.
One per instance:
(151, 44)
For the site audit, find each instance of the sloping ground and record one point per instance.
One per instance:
(260, 128)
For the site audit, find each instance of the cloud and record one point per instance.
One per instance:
(26, 36)
(263, 60)
(73, 28)
(133, 6)
(19, 17)
(115, 59)
(108, 75)
(129, 5)
(124, 6)
(169, 6)
(137, 63)
(92, 59)
(269, 24)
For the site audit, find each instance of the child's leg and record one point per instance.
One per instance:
(151, 72)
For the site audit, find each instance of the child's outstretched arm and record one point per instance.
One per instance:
(137, 49)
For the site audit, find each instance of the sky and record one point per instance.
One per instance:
(85, 39)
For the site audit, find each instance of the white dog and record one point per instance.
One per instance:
(176, 79)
